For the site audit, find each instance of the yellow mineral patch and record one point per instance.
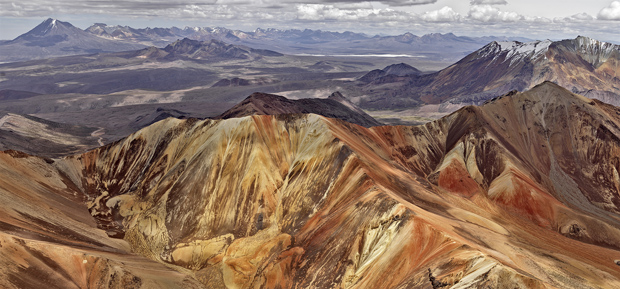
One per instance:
(198, 253)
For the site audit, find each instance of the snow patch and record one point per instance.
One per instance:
(516, 51)
(594, 51)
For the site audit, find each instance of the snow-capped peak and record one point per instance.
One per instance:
(515, 50)
(594, 51)
(51, 24)
(531, 49)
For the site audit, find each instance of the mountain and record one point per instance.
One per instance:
(56, 38)
(436, 46)
(335, 106)
(401, 69)
(583, 65)
(187, 48)
(148, 36)
(521, 192)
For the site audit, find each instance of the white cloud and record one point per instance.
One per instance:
(581, 17)
(487, 13)
(612, 12)
(408, 2)
(341, 3)
(445, 14)
(488, 2)
(320, 12)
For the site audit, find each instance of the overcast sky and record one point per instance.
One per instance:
(537, 19)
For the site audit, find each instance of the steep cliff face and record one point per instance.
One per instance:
(521, 192)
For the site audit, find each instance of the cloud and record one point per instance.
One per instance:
(343, 3)
(177, 8)
(408, 2)
(488, 13)
(581, 17)
(611, 12)
(445, 14)
(322, 12)
(488, 2)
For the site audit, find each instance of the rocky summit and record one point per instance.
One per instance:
(521, 192)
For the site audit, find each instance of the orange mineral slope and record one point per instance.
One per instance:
(521, 192)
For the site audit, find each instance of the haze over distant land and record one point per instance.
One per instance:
(528, 18)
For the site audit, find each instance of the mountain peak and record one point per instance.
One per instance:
(49, 27)
(401, 69)
(594, 51)
(524, 48)
(515, 51)
(50, 32)
(585, 42)
(256, 96)
(337, 96)
(335, 106)
(547, 92)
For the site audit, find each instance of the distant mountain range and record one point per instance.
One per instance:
(582, 65)
(309, 41)
(148, 68)
(56, 38)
